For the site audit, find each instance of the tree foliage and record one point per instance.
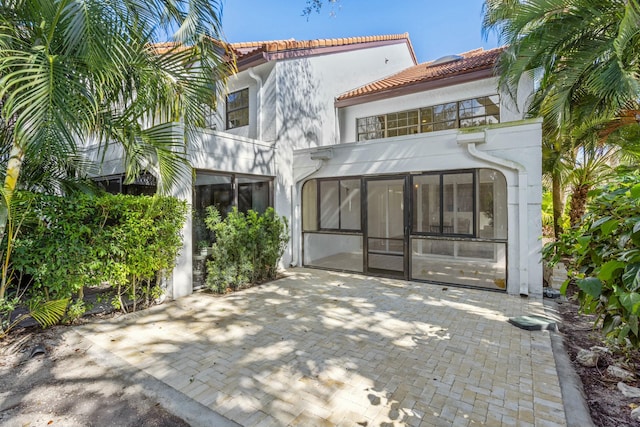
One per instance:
(603, 253)
(90, 72)
(584, 54)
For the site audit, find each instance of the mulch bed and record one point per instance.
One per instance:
(609, 408)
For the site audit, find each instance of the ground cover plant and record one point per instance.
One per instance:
(246, 250)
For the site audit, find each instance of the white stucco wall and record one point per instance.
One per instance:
(226, 152)
(305, 115)
(440, 151)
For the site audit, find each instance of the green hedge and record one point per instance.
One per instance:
(68, 243)
(246, 250)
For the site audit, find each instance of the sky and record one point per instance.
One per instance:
(436, 28)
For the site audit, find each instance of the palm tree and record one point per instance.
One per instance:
(91, 71)
(586, 51)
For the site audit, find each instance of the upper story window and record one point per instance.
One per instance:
(238, 109)
(479, 111)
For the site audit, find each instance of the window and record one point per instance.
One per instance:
(479, 111)
(331, 223)
(145, 184)
(445, 116)
(426, 203)
(371, 127)
(404, 123)
(443, 203)
(458, 202)
(461, 114)
(253, 194)
(467, 203)
(492, 206)
(339, 207)
(212, 189)
(238, 109)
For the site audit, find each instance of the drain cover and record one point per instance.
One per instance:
(533, 323)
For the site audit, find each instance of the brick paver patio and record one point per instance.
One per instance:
(321, 348)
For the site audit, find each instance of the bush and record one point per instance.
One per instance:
(603, 253)
(246, 250)
(68, 243)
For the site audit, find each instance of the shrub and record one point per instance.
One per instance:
(603, 253)
(246, 250)
(68, 243)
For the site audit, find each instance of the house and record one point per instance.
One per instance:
(383, 166)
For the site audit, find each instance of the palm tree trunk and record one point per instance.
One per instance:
(578, 203)
(10, 183)
(558, 203)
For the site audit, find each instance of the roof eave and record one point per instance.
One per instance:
(252, 60)
(416, 87)
(262, 56)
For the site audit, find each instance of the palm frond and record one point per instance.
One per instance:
(48, 313)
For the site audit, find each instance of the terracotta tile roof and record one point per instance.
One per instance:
(244, 49)
(262, 51)
(474, 60)
(165, 47)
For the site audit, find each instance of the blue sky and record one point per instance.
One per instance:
(436, 28)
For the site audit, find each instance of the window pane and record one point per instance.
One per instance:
(426, 204)
(113, 185)
(445, 112)
(479, 111)
(361, 125)
(458, 203)
(336, 251)
(237, 118)
(310, 206)
(370, 127)
(492, 107)
(413, 117)
(426, 117)
(350, 204)
(427, 128)
(492, 201)
(238, 109)
(329, 213)
(210, 190)
(253, 194)
(479, 264)
(239, 99)
(402, 120)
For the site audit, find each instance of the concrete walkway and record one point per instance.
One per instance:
(321, 348)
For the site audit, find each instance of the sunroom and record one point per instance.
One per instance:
(438, 226)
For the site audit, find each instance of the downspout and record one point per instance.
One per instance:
(470, 140)
(321, 156)
(258, 80)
